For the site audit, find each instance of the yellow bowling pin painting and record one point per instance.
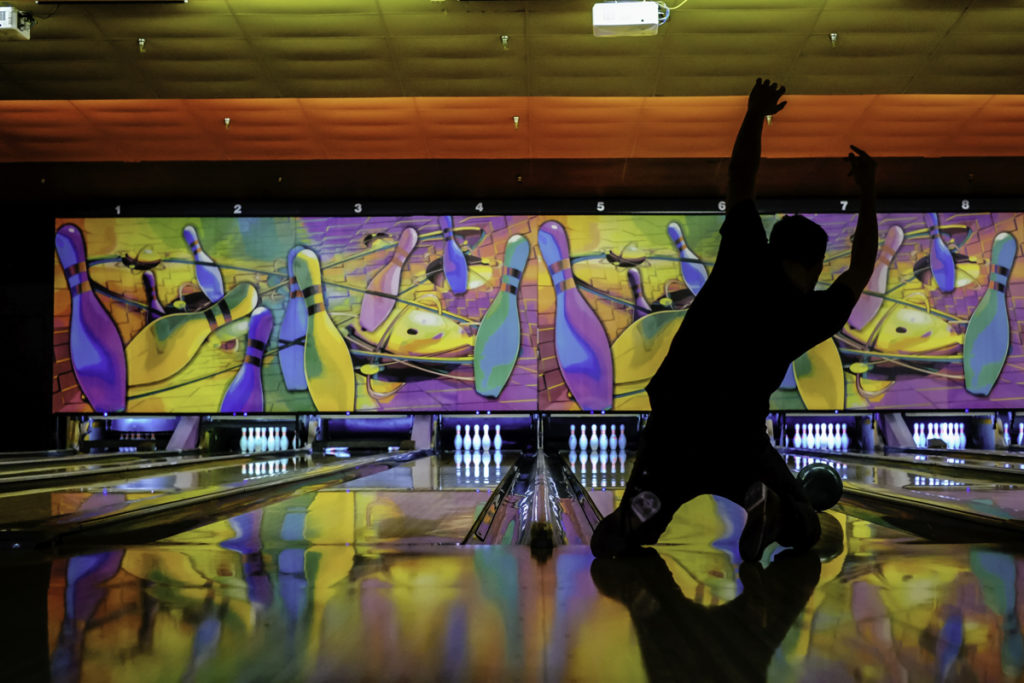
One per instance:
(504, 313)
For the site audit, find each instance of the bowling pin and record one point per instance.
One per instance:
(602, 440)
(97, 354)
(243, 443)
(207, 273)
(245, 393)
(871, 299)
(594, 443)
(458, 437)
(168, 344)
(693, 271)
(496, 349)
(476, 437)
(636, 285)
(155, 308)
(485, 440)
(453, 260)
(613, 440)
(987, 340)
(797, 441)
(497, 440)
(939, 258)
(573, 442)
(291, 337)
(581, 344)
(388, 280)
(583, 438)
(330, 376)
(622, 437)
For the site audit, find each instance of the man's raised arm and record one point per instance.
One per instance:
(865, 237)
(746, 151)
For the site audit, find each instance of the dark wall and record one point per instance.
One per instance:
(420, 179)
(26, 293)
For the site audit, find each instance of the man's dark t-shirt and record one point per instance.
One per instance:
(739, 336)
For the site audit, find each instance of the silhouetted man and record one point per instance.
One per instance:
(756, 314)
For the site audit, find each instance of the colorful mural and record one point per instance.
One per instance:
(507, 313)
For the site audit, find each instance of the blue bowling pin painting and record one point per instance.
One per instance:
(504, 313)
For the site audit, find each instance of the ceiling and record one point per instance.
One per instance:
(419, 48)
(386, 79)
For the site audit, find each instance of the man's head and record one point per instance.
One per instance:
(798, 244)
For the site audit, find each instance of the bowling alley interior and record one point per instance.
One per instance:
(328, 325)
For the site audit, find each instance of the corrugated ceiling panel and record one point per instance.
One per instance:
(554, 127)
(302, 25)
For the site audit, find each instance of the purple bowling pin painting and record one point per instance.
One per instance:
(97, 353)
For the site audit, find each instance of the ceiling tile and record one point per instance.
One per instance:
(307, 26)
(882, 21)
(695, 19)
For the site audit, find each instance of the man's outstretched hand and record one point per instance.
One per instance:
(764, 98)
(862, 168)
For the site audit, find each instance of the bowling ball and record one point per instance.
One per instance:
(822, 485)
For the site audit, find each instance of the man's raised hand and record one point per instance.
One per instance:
(764, 98)
(862, 168)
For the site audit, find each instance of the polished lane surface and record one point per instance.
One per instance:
(366, 580)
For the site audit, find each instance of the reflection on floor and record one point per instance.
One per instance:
(372, 585)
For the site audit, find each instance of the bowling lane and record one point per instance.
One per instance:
(91, 468)
(989, 498)
(327, 585)
(139, 503)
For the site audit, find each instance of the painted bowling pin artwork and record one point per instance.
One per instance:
(330, 376)
(636, 285)
(939, 257)
(291, 336)
(97, 353)
(207, 273)
(581, 344)
(498, 336)
(166, 345)
(453, 260)
(870, 300)
(819, 377)
(693, 271)
(376, 308)
(245, 393)
(987, 340)
(156, 309)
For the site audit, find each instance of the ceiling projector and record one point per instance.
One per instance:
(14, 24)
(613, 19)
